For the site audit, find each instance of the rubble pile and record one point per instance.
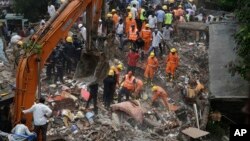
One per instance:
(72, 121)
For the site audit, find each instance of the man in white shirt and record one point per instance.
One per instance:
(156, 40)
(83, 32)
(21, 131)
(135, 2)
(40, 113)
(51, 10)
(134, 11)
(152, 21)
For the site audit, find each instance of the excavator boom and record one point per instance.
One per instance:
(27, 75)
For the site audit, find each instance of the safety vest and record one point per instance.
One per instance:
(142, 17)
(168, 18)
(132, 34)
(129, 82)
(146, 34)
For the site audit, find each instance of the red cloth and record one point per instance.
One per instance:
(133, 58)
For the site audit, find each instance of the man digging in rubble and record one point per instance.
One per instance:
(128, 86)
(159, 92)
(93, 90)
(172, 61)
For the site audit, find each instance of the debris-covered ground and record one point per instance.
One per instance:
(71, 121)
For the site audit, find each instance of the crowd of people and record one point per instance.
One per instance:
(146, 27)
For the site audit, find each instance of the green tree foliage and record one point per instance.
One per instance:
(31, 9)
(242, 38)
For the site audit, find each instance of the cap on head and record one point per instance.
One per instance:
(111, 73)
(147, 25)
(80, 25)
(154, 88)
(173, 50)
(164, 7)
(69, 39)
(152, 54)
(128, 7)
(113, 10)
(179, 6)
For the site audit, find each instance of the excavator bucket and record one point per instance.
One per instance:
(92, 64)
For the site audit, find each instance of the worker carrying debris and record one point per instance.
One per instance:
(151, 67)
(159, 92)
(128, 86)
(172, 61)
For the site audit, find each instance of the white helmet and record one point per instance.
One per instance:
(80, 25)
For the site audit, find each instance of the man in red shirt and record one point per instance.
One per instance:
(133, 58)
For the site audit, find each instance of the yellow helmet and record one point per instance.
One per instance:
(113, 10)
(112, 68)
(173, 50)
(147, 25)
(152, 54)
(69, 39)
(120, 66)
(164, 7)
(171, 1)
(20, 43)
(109, 15)
(179, 6)
(154, 88)
(130, 15)
(111, 73)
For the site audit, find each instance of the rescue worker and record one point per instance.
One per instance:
(127, 86)
(129, 21)
(138, 88)
(133, 58)
(59, 63)
(168, 18)
(109, 89)
(159, 92)
(117, 70)
(172, 61)
(17, 52)
(133, 33)
(69, 50)
(93, 90)
(50, 65)
(109, 24)
(115, 17)
(142, 18)
(146, 35)
(40, 114)
(151, 67)
(179, 12)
